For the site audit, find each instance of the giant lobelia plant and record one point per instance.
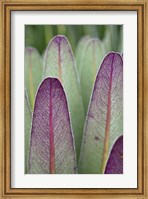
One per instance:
(54, 123)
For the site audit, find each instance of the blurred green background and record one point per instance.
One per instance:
(38, 36)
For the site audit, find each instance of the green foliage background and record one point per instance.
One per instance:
(38, 36)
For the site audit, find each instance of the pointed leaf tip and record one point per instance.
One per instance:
(52, 147)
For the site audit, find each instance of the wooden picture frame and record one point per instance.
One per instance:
(6, 6)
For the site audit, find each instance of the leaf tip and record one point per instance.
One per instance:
(111, 54)
(30, 49)
(59, 38)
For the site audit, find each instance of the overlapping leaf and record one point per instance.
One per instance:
(115, 161)
(28, 116)
(104, 122)
(60, 63)
(80, 50)
(52, 148)
(91, 54)
(33, 73)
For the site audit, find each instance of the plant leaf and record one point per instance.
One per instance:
(80, 50)
(28, 115)
(107, 41)
(91, 58)
(104, 122)
(48, 32)
(111, 40)
(33, 72)
(120, 46)
(52, 148)
(115, 161)
(60, 63)
(90, 30)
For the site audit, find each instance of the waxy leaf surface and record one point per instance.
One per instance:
(115, 161)
(104, 122)
(81, 49)
(52, 147)
(60, 63)
(91, 57)
(28, 116)
(33, 73)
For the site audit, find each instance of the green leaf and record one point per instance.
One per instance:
(91, 57)
(120, 46)
(111, 39)
(39, 38)
(90, 30)
(33, 72)
(104, 122)
(107, 42)
(48, 32)
(28, 116)
(29, 39)
(80, 50)
(60, 63)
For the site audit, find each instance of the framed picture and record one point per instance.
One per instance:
(73, 99)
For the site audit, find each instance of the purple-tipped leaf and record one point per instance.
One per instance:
(60, 63)
(104, 121)
(52, 148)
(115, 161)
